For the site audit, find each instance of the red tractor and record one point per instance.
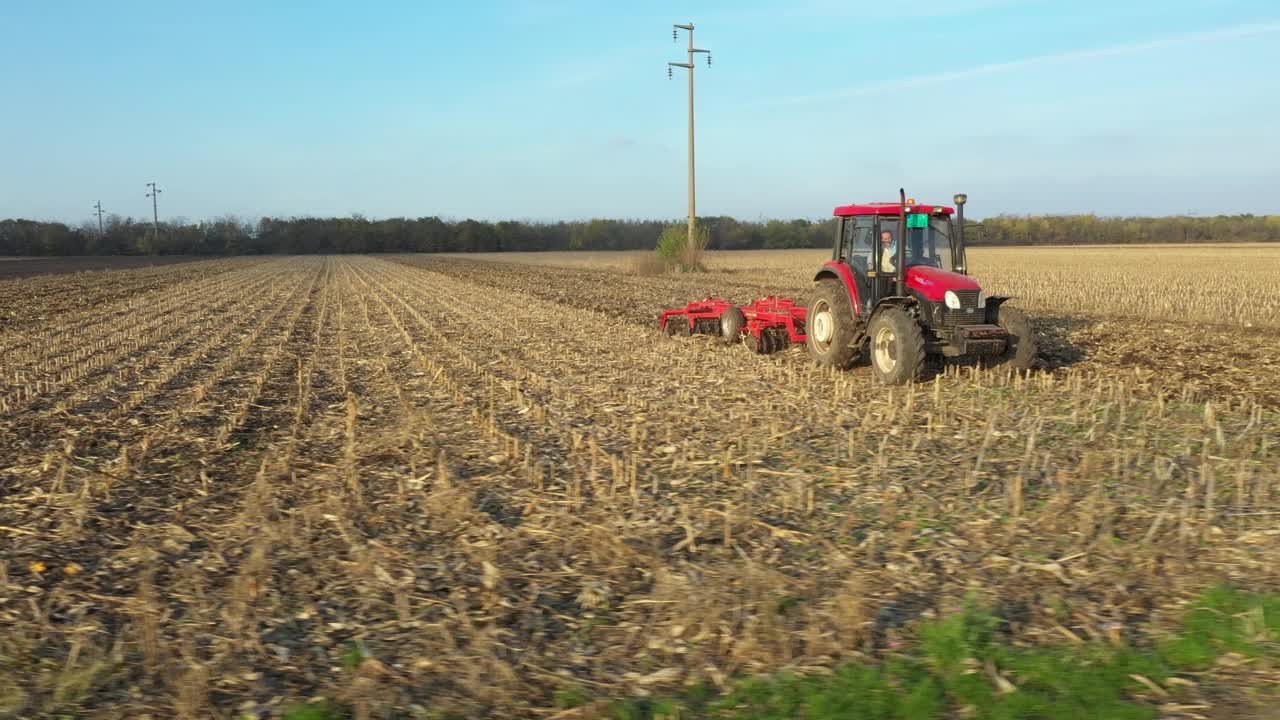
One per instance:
(895, 288)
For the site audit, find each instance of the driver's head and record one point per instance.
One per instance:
(886, 238)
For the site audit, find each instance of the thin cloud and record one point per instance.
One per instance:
(837, 10)
(1235, 31)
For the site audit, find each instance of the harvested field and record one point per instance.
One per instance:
(27, 266)
(43, 297)
(431, 486)
(1160, 282)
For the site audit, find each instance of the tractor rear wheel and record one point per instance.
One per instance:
(897, 347)
(830, 326)
(1021, 351)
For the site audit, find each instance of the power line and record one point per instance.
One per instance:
(675, 35)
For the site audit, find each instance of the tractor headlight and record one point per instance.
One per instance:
(982, 299)
(952, 300)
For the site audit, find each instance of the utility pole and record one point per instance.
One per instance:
(155, 212)
(675, 36)
(98, 207)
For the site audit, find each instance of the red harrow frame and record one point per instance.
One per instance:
(765, 326)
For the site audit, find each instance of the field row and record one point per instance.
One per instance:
(393, 484)
(1213, 361)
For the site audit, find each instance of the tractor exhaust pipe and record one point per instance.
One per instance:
(901, 262)
(960, 199)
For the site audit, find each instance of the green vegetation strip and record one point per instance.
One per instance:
(954, 669)
(961, 668)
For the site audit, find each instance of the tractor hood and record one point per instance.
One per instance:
(933, 283)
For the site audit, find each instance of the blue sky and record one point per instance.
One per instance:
(562, 109)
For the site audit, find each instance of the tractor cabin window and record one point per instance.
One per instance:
(929, 241)
(855, 246)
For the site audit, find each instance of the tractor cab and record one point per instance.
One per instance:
(897, 285)
(867, 241)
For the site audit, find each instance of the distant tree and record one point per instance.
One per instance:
(228, 235)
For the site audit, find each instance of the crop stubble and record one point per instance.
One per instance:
(488, 482)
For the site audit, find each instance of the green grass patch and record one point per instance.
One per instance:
(571, 698)
(1225, 620)
(962, 667)
(353, 656)
(314, 711)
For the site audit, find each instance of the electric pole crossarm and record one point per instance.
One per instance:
(683, 65)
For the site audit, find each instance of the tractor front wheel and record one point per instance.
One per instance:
(897, 347)
(829, 326)
(1021, 351)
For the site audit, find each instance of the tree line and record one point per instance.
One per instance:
(356, 234)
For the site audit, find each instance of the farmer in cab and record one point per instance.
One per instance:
(888, 253)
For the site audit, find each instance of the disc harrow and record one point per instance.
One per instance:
(765, 326)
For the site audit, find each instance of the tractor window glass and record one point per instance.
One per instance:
(930, 244)
(857, 243)
(940, 230)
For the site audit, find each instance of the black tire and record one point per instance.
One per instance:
(897, 347)
(1021, 352)
(768, 343)
(731, 324)
(836, 349)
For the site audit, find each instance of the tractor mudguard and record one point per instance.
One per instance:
(993, 306)
(895, 301)
(842, 274)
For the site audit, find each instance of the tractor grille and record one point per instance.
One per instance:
(968, 298)
(969, 312)
(954, 318)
